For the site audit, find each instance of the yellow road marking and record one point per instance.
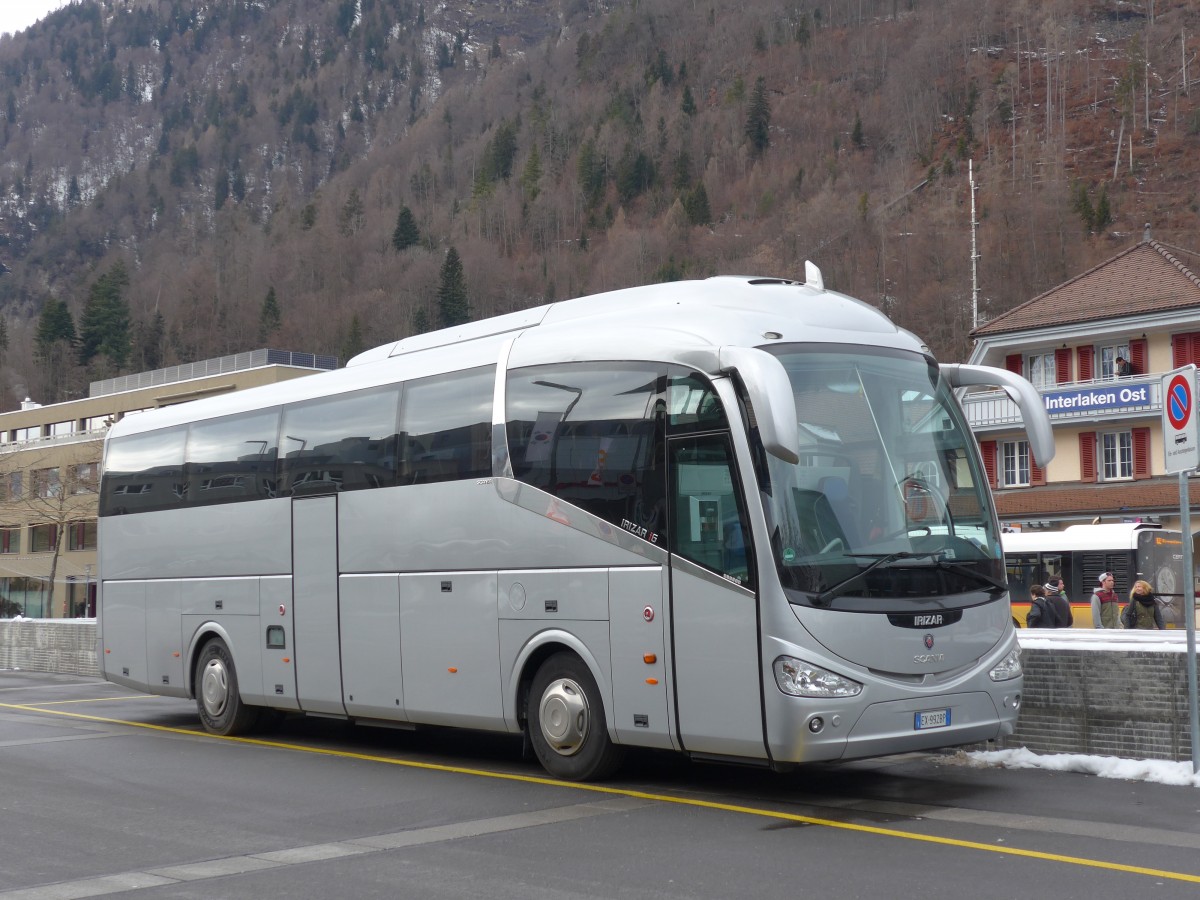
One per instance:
(641, 795)
(94, 700)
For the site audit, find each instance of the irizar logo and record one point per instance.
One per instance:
(930, 621)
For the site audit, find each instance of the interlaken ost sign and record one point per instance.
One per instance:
(1117, 395)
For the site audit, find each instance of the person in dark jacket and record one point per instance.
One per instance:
(1056, 595)
(1041, 613)
(1142, 610)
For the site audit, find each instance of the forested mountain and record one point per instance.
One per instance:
(182, 179)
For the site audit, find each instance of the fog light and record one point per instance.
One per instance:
(815, 724)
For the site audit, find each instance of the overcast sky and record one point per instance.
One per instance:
(17, 15)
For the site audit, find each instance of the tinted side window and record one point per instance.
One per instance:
(592, 434)
(446, 427)
(144, 472)
(341, 443)
(232, 459)
(709, 519)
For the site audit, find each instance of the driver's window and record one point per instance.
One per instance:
(708, 518)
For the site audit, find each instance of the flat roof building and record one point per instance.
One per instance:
(50, 472)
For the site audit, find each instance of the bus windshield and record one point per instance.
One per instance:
(888, 499)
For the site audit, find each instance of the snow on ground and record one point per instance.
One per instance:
(1154, 770)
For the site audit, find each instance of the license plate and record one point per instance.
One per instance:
(932, 718)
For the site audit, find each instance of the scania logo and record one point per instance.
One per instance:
(929, 642)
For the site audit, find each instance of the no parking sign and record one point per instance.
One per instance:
(1181, 430)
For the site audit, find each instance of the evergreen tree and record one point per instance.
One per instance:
(420, 320)
(695, 204)
(270, 317)
(452, 304)
(758, 117)
(406, 234)
(54, 324)
(856, 135)
(104, 325)
(1081, 205)
(532, 174)
(688, 105)
(1104, 216)
(353, 345)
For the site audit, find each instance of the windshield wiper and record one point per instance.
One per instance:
(994, 586)
(826, 596)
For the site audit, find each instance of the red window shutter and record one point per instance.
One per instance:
(1037, 475)
(1086, 362)
(988, 450)
(1087, 456)
(1183, 348)
(1062, 366)
(1141, 453)
(1012, 362)
(1137, 356)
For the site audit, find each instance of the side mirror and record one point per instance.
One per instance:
(1024, 394)
(770, 392)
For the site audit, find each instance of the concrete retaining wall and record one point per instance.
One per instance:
(1101, 693)
(1105, 693)
(66, 646)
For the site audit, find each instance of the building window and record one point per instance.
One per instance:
(10, 540)
(46, 483)
(1016, 463)
(1116, 455)
(81, 535)
(14, 486)
(57, 429)
(1108, 359)
(43, 538)
(86, 478)
(1043, 371)
(33, 433)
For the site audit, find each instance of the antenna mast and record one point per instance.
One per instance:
(974, 251)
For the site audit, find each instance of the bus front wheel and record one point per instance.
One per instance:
(565, 718)
(217, 699)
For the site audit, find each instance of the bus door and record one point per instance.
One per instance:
(317, 657)
(714, 607)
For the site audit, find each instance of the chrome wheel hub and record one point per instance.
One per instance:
(564, 716)
(214, 687)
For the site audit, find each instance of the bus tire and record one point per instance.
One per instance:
(564, 715)
(217, 698)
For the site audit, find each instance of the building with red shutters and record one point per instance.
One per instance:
(1142, 306)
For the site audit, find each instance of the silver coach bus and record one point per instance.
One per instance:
(742, 519)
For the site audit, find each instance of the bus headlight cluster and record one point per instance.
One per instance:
(802, 679)
(1009, 667)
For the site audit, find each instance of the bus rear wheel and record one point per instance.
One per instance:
(565, 718)
(217, 698)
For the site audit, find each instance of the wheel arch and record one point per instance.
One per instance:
(536, 651)
(200, 639)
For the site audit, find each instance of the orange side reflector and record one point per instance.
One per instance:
(176, 654)
(106, 650)
(651, 681)
(287, 659)
(650, 658)
(452, 670)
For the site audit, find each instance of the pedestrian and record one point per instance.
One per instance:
(1056, 595)
(1106, 605)
(1041, 613)
(1122, 368)
(1142, 610)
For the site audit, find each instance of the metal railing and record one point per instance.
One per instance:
(994, 409)
(220, 365)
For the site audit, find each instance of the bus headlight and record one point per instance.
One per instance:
(802, 679)
(1009, 667)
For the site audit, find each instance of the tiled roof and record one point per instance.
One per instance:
(1149, 277)
(1153, 496)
